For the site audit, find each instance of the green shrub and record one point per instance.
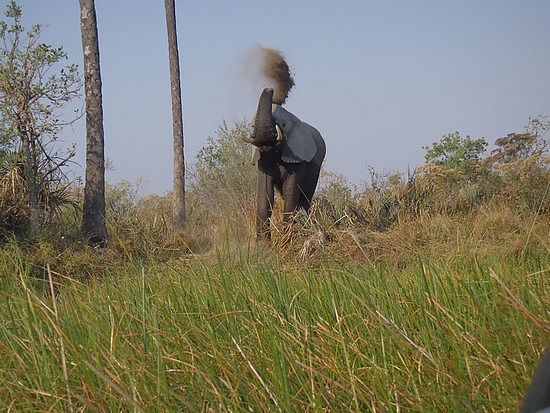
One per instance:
(223, 175)
(455, 152)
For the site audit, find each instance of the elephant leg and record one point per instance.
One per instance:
(309, 185)
(292, 190)
(266, 197)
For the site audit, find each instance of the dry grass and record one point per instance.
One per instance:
(435, 310)
(489, 229)
(246, 328)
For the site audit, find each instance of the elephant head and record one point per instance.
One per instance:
(302, 142)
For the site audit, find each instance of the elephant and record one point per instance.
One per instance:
(289, 154)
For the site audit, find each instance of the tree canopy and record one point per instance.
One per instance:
(455, 152)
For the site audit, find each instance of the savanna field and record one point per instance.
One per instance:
(422, 293)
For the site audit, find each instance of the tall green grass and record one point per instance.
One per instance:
(249, 331)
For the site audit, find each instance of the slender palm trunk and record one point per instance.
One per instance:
(93, 220)
(177, 116)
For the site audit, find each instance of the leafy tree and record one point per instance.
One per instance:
(33, 89)
(455, 152)
(223, 173)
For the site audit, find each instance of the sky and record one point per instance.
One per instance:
(378, 79)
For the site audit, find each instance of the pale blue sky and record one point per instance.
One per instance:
(379, 79)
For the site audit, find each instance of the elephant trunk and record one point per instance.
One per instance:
(264, 131)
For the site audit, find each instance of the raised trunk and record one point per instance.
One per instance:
(264, 132)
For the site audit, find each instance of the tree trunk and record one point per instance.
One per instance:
(93, 220)
(177, 116)
(30, 171)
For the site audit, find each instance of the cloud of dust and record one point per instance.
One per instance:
(270, 66)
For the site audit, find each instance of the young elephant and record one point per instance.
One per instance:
(289, 154)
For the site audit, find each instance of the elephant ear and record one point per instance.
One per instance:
(300, 145)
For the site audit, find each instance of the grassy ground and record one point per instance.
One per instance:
(445, 314)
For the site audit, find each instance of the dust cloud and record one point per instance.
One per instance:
(270, 65)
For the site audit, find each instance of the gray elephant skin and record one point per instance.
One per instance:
(289, 154)
(537, 398)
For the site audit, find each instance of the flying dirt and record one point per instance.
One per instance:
(275, 72)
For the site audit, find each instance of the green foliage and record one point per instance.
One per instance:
(33, 93)
(29, 79)
(455, 152)
(223, 175)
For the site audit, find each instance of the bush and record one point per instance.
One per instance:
(141, 226)
(223, 175)
(455, 152)
(524, 182)
(55, 194)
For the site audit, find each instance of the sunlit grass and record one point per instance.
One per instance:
(434, 311)
(248, 332)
